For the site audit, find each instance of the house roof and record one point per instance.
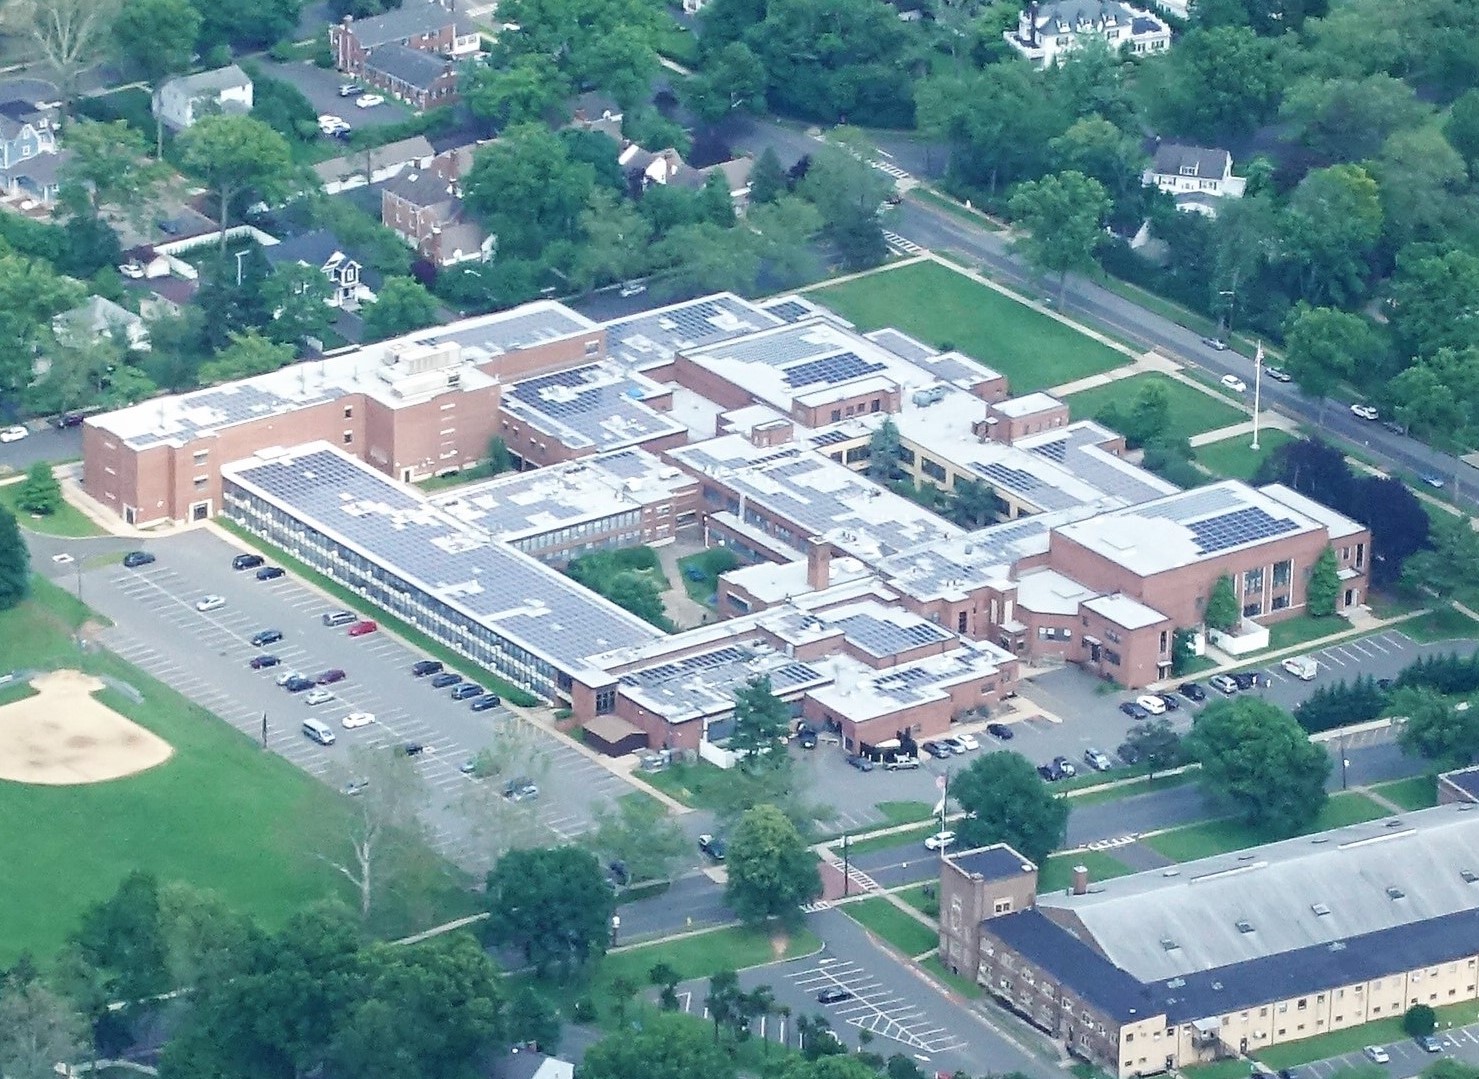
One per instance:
(415, 149)
(1171, 158)
(419, 70)
(420, 188)
(464, 236)
(998, 862)
(98, 315)
(411, 19)
(222, 78)
(317, 249)
(42, 170)
(16, 115)
(529, 1064)
(31, 91)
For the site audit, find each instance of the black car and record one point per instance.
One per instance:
(620, 875)
(520, 788)
(247, 561)
(1170, 701)
(422, 667)
(1000, 730)
(1134, 711)
(135, 559)
(298, 684)
(1128, 753)
(465, 690)
(446, 678)
(1051, 772)
(807, 737)
(68, 419)
(265, 637)
(486, 701)
(1192, 691)
(1383, 683)
(413, 749)
(833, 994)
(1246, 679)
(270, 573)
(713, 846)
(262, 662)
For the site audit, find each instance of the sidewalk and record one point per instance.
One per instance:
(1266, 421)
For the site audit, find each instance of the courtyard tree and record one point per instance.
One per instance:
(553, 904)
(1419, 1021)
(234, 154)
(1006, 802)
(40, 492)
(1323, 588)
(1223, 611)
(402, 305)
(1432, 728)
(761, 723)
(15, 562)
(884, 452)
(662, 1047)
(1063, 217)
(1242, 744)
(771, 871)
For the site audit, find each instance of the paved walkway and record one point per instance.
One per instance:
(685, 611)
(1143, 364)
(1267, 421)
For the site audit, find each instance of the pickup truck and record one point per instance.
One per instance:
(900, 763)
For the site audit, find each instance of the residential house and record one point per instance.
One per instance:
(182, 101)
(374, 166)
(28, 150)
(530, 1064)
(1048, 31)
(1196, 177)
(162, 297)
(595, 112)
(423, 27)
(426, 210)
(351, 283)
(144, 262)
(645, 168)
(97, 318)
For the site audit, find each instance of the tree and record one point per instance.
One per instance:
(38, 1030)
(382, 827)
(1241, 744)
(297, 294)
(70, 35)
(973, 504)
(248, 27)
(1331, 226)
(1450, 565)
(1434, 300)
(884, 452)
(785, 229)
(1006, 802)
(1100, 150)
(1435, 397)
(206, 940)
(733, 79)
(617, 241)
(528, 1017)
(529, 190)
(499, 459)
(704, 257)
(520, 93)
(1346, 119)
(122, 937)
(1421, 178)
(1223, 610)
(234, 154)
(663, 1047)
(608, 46)
(722, 999)
(157, 37)
(1324, 347)
(402, 305)
(1323, 589)
(248, 354)
(40, 492)
(15, 562)
(31, 293)
(639, 833)
(1183, 651)
(1063, 215)
(761, 722)
(107, 165)
(1432, 728)
(1419, 1021)
(1156, 745)
(847, 193)
(1150, 414)
(552, 904)
(767, 178)
(771, 872)
(818, 1041)
(1217, 83)
(1461, 129)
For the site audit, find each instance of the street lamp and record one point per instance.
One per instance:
(1345, 762)
(845, 869)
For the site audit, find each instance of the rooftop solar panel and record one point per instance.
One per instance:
(844, 367)
(1247, 525)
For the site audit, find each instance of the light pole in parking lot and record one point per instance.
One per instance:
(1345, 762)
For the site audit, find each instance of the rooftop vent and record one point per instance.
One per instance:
(1245, 926)
(1469, 875)
(1169, 944)
(1320, 909)
(1393, 892)
(1337, 945)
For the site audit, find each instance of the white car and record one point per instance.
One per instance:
(210, 603)
(131, 270)
(13, 434)
(1234, 383)
(329, 124)
(1366, 412)
(968, 740)
(358, 719)
(939, 841)
(1152, 704)
(1376, 1054)
(318, 696)
(369, 101)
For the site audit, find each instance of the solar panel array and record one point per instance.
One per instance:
(188, 416)
(1194, 504)
(843, 367)
(655, 335)
(517, 331)
(1041, 493)
(594, 405)
(1247, 525)
(706, 682)
(780, 348)
(790, 310)
(881, 637)
(901, 344)
(830, 438)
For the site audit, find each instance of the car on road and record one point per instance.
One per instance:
(954, 745)
(264, 661)
(466, 691)
(1365, 412)
(1065, 766)
(135, 559)
(1278, 374)
(860, 762)
(356, 786)
(1000, 730)
(1152, 703)
(363, 626)
(901, 764)
(210, 603)
(330, 676)
(1377, 1055)
(264, 637)
(968, 740)
(318, 696)
(270, 573)
(1223, 684)
(1435, 482)
(486, 701)
(1170, 701)
(247, 561)
(1234, 383)
(1192, 691)
(1217, 344)
(1134, 711)
(1428, 1043)
(358, 719)
(833, 994)
(939, 841)
(70, 418)
(1098, 760)
(445, 679)
(297, 684)
(712, 845)
(368, 101)
(422, 667)
(13, 434)
(349, 89)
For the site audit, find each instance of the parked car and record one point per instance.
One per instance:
(284, 677)
(968, 740)
(13, 434)
(247, 561)
(1127, 753)
(318, 696)
(466, 691)
(806, 737)
(520, 789)
(1170, 701)
(349, 89)
(631, 288)
(356, 786)
(422, 667)
(1302, 667)
(1192, 691)
(1435, 482)
(297, 684)
(1134, 711)
(1152, 703)
(939, 841)
(445, 679)
(1215, 343)
(1234, 383)
(1365, 412)
(270, 573)
(330, 676)
(368, 101)
(486, 701)
(954, 745)
(210, 603)
(264, 637)
(901, 764)
(1223, 684)
(262, 662)
(413, 749)
(1249, 679)
(358, 719)
(1065, 766)
(860, 762)
(135, 559)
(1377, 1055)
(1098, 760)
(833, 994)
(1278, 374)
(936, 750)
(1050, 771)
(338, 618)
(712, 845)
(1429, 1043)
(360, 628)
(1000, 730)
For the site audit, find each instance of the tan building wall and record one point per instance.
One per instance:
(967, 900)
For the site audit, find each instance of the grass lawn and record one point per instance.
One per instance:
(904, 812)
(1415, 792)
(1057, 874)
(219, 814)
(1441, 624)
(693, 784)
(701, 571)
(1377, 1032)
(677, 43)
(1220, 836)
(409, 633)
(1233, 1068)
(909, 837)
(923, 898)
(901, 930)
(964, 986)
(1296, 631)
(945, 308)
(1192, 411)
(1233, 458)
(68, 520)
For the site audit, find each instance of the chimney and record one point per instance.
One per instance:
(818, 563)
(1080, 880)
(1032, 23)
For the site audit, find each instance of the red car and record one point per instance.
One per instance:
(359, 629)
(329, 677)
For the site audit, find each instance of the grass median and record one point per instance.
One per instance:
(68, 521)
(1192, 412)
(905, 932)
(1221, 836)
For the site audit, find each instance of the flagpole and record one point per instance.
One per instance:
(1257, 389)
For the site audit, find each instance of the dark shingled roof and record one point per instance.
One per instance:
(999, 862)
(1171, 158)
(412, 19)
(417, 69)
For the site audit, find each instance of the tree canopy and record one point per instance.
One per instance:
(1259, 760)
(553, 904)
(771, 871)
(1007, 802)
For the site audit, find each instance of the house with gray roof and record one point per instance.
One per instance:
(409, 52)
(1047, 31)
(1195, 176)
(181, 101)
(350, 283)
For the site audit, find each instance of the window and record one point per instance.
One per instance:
(349, 412)
(1252, 610)
(836, 414)
(1002, 906)
(1280, 603)
(1283, 573)
(874, 405)
(348, 438)
(200, 456)
(1112, 657)
(200, 482)
(592, 347)
(1165, 640)
(605, 701)
(933, 469)
(1253, 581)
(960, 621)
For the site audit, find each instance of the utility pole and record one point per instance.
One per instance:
(845, 867)
(1257, 390)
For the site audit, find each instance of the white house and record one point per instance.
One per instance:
(1047, 31)
(97, 318)
(374, 166)
(180, 102)
(530, 1064)
(1196, 177)
(351, 284)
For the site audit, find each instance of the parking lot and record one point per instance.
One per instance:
(321, 87)
(1407, 1058)
(205, 656)
(873, 1006)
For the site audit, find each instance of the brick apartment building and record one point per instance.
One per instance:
(410, 51)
